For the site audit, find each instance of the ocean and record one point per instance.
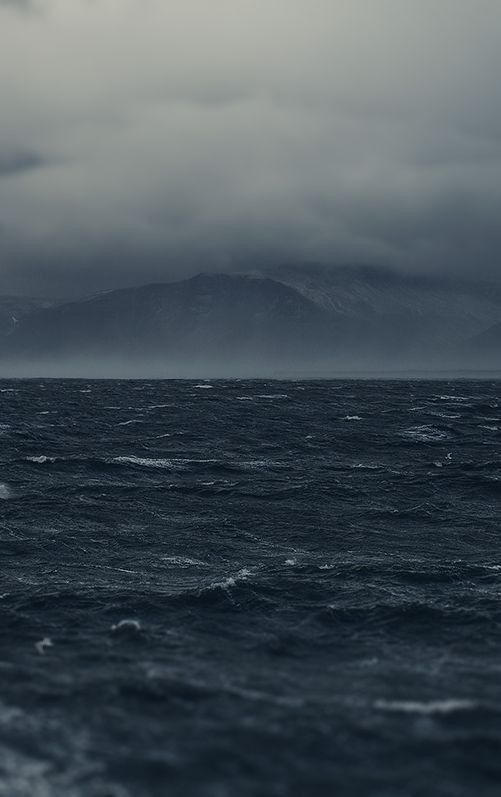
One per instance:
(250, 588)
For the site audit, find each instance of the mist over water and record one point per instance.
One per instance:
(250, 586)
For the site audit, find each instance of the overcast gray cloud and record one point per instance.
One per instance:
(144, 139)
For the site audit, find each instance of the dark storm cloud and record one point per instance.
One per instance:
(188, 135)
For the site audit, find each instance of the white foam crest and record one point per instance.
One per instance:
(454, 398)
(447, 415)
(257, 464)
(183, 561)
(5, 492)
(352, 418)
(146, 462)
(231, 581)
(41, 459)
(425, 433)
(448, 706)
(166, 464)
(43, 645)
(127, 625)
(203, 387)
(273, 396)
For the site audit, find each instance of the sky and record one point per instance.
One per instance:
(143, 140)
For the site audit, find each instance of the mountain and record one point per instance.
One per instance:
(288, 319)
(437, 310)
(484, 350)
(15, 308)
(210, 318)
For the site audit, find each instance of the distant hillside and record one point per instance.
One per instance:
(438, 309)
(484, 350)
(15, 308)
(303, 318)
(209, 316)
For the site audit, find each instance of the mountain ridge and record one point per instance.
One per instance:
(330, 318)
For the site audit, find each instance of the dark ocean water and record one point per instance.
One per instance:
(250, 588)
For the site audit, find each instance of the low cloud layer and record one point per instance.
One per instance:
(144, 140)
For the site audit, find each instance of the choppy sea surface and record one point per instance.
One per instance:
(250, 588)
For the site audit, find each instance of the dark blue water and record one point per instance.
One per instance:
(250, 588)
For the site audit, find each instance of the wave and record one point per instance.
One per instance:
(183, 561)
(426, 434)
(162, 464)
(272, 396)
(229, 582)
(5, 492)
(459, 399)
(172, 464)
(447, 706)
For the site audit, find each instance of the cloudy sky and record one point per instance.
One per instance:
(142, 139)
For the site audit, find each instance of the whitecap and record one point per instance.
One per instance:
(203, 387)
(273, 396)
(447, 706)
(145, 462)
(425, 434)
(5, 492)
(352, 418)
(127, 625)
(454, 398)
(41, 460)
(231, 581)
(183, 561)
(43, 645)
